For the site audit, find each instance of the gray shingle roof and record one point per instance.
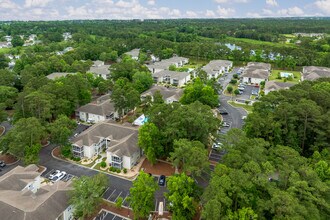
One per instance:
(273, 85)
(55, 75)
(172, 74)
(173, 93)
(257, 70)
(315, 72)
(102, 107)
(133, 53)
(100, 70)
(47, 203)
(123, 138)
(216, 65)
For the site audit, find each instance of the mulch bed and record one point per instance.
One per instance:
(160, 168)
(8, 158)
(1, 130)
(57, 152)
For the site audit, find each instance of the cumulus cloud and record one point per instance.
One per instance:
(271, 2)
(324, 6)
(36, 3)
(291, 12)
(225, 12)
(210, 14)
(8, 4)
(151, 2)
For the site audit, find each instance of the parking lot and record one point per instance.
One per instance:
(107, 215)
(112, 194)
(247, 92)
(66, 178)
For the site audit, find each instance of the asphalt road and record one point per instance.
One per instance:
(234, 114)
(48, 161)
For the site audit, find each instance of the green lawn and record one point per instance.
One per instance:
(258, 42)
(248, 108)
(275, 73)
(234, 88)
(4, 50)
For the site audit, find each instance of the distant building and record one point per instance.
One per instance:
(171, 77)
(119, 141)
(275, 86)
(134, 54)
(24, 196)
(5, 44)
(57, 75)
(255, 73)
(314, 72)
(99, 69)
(216, 67)
(169, 94)
(67, 36)
(166, 63)
(98, 111)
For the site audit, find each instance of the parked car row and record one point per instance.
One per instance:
(56, 175)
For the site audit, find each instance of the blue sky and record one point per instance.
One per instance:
(145, 9)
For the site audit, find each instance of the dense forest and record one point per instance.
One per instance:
(276, 167)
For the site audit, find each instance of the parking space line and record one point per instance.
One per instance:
(106, 191)
(156, 205)
(111, 194)
(114, 217)
(125, 197)
(118, 196)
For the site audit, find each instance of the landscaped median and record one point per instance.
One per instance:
(99, 163)
(248, 108)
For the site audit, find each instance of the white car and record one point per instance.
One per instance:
(58, 176)
(217, 145)
(225, 124)
(56, 172)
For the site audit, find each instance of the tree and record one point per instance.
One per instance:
(229, 89)
(158, 98)
(119, 202)
(198, 91)
(142, 195)
(27, 133)
(61, 129)
(17, 41)
(3, 62)
(86, 195)
(3, 113)
(31, 154)
(8, 95)
(124, 96)
(191, 156)
(182, 196)
(142, 81)
(236, 92)
(148, 140)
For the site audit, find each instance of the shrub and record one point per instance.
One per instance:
(230, 89)
(103, 164)
(235, 76)
(104, 159)
(66, 151)
(111, 169)
(118, 170)
(125, 170)
(233, 81)
(236, 92)
(119, 202)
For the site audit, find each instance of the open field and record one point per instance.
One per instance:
(275, 73)
(257, 42)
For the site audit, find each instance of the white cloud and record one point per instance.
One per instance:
(126, 4)
(8, 4)
(271, 2)
(267, 12)
(324, 6)
(210, 14)
(294, 11)
(191, 14)
(253, 15)
(225, 12)
(36, 3)
(231, 1)
(151, 2)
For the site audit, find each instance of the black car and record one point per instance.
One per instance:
(162, 180)
(223, 112)
(2, 164)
